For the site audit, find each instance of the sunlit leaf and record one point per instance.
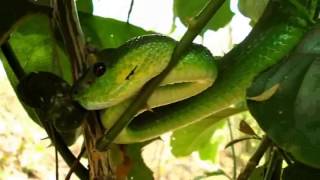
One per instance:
(200, 136)
(194, 137)
(210, 150)
(139, 169)
(36, 49)
(187, 9)
(252, 8)
(106, 32)
(85, 6)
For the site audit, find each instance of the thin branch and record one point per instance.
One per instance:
(240, 140)
(66, 20)
(197, 24)
(57, 162)
(55, 153)
(50, 130)
(130, 10)
(68, 176)
(274, 164)
(255, 159)
(234, 174)
(285, 156)
(67, 155)
(12, 60)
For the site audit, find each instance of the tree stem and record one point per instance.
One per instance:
(255, 159)
(66, 21)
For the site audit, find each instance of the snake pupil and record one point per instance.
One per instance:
(99, 69)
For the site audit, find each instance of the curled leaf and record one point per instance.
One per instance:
(267, 94)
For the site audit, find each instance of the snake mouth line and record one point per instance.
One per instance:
(143, 120)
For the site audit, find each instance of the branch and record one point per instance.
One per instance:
(274, 166)
(195, 27)
(130, 10)
(66, 20)
(255, 158)
(234, 157)
(67, 155)
(12, 60)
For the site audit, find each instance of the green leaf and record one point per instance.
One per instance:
(290, 117)
(210, 150)
(106, 32)
(307, 104)
(187, 9)
(258, 173)
(193, 137)
(139, 169)
(299, 171)
(310, 45)
(126, 160)
(198, 136)
(85, 6)
(252, 9)
(36, 49)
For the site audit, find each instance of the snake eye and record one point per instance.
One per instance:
(99, 69)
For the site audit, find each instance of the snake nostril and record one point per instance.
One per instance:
(75, 90)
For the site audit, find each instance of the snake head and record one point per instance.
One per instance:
(123, 72)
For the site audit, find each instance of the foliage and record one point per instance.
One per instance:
(292, 107)
(252, 9)
(186, 10)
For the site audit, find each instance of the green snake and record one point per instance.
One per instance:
(201, 90)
